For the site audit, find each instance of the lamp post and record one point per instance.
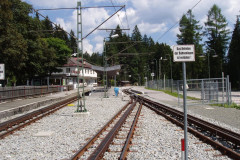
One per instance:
(170, 61)
(214, 56)
(105, 63)
(160, 69)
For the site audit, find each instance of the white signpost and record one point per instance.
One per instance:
(2, 72)
(184, 53)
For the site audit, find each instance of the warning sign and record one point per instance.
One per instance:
(183, 53)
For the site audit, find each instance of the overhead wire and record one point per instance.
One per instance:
(177, 21)
(36, 11)
(117, 14)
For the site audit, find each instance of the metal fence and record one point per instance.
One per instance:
(7, 93)
(167, 84)
(204, 91)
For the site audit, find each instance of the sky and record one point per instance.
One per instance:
(156, 18)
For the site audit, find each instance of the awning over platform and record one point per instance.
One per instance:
(111, 71)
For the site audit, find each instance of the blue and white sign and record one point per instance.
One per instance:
(2, 72)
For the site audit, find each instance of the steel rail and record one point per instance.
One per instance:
(81, 151)
(212, 128)
(225, 150)
(230, 135)
(128, 142)
(177, 117)
(24, 120)
(103, 146)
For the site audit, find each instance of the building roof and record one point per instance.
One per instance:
(74, 62)
(111, 71)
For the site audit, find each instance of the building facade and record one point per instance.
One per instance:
(70, 73)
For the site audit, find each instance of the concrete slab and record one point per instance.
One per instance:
(209, 108)
(81, 113)
(43, 134)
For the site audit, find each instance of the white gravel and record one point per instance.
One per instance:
(65, 132)
(157, 138)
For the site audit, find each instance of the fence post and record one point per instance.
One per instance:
(228, 86)
(178, 93)
(164, 82)
(222, 87)
(202, 92)
(230, 89)
(12, 92)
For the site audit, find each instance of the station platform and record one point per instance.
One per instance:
(228, 116)
(12, 107)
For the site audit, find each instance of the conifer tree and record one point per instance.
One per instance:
(190, 33)
(234, 56)
(217, 43)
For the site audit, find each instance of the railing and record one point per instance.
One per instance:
(206, 91)
(8, 93)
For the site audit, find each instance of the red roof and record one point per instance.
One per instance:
(74, 61)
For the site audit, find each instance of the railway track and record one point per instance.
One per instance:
(224, 140)
(117, 128)
(10, 126)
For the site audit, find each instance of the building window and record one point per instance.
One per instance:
(67, 70)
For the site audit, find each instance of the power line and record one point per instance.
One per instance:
(177, 22)
(35, 10)
(117, 14)
(126, 19)
(46, 9)
(103, 22)
(121, 7)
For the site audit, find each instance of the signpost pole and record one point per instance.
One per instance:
(184, 53)
(185, 109)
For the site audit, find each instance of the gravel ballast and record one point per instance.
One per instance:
(61, 134)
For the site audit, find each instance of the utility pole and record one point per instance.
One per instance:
(81, 104)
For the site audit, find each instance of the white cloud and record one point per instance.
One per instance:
(98, 39)
(53, 3)
(87, 46)
(175, 31)
(98, 47)
(66, 25)
(147, 28)
(153, 17)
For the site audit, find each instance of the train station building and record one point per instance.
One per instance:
(69, 73)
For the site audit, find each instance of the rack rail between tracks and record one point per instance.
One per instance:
(226, 141)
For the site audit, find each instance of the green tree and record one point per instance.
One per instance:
(47, 28)
(234, 56)
(13, 46)
(60, 54)
(217, 34)
(190, 33)
(73, 42)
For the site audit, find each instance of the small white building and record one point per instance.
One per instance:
(69, 74)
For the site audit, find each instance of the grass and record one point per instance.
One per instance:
(233, 105)
(175, 94)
